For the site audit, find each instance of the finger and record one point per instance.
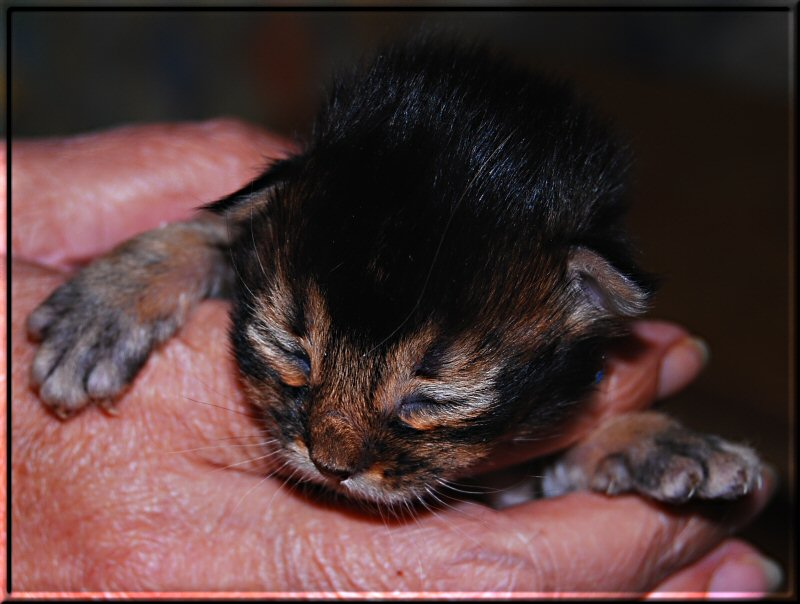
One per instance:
(658, 360)
(686, 357)
(733, 568)
(74, 198)
(580, 543)
(587, 542)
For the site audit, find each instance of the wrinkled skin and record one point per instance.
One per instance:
(106, 503)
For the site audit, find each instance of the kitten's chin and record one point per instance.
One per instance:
(358, 487)
(367, 486)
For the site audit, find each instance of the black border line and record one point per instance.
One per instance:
(9, 10)
(9, 81)
(633, 6)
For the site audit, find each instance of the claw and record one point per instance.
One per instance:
(109, 407)
(62, 412)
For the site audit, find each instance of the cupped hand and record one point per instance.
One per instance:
(165, 496)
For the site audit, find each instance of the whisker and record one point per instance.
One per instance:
(432, 493)
(538, 438)
(283, 483)
(255, 248)
(482, 490)
(293, 485)
(336, 267)
(434, 513)
(421, 568)
(221, 407)
(233, 260)
(243, 436)
(435, 495)
(387, 530)
(239, 463)
(403, 510)
(207, 386)
(421, 500)
(221, 447)
(259, 483)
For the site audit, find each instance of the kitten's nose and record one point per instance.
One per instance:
(328, 471)
(335, 446)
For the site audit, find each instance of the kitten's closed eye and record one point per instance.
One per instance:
(286, 358)
(418, 403)
(294, 369)
(303, 362)
(423, 412)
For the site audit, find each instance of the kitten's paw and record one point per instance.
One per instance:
(93, 342)
(652, 454)
(678, 465)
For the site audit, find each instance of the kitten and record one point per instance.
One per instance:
(439, 271)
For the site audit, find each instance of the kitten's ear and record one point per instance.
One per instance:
(604, 291)
(253, 192)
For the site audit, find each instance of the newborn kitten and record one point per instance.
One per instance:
(438, 272)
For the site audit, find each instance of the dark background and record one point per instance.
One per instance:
(704, 96)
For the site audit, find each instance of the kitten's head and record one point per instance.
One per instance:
(430, 278)
(387, 355)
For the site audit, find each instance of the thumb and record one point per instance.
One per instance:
(588, 542)
(77, 197)
(733, 568)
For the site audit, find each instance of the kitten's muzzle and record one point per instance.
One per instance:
(335, 448)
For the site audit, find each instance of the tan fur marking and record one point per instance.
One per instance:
(465, 376)
(189, 263)
(288, 370)
(184, 270)
(272, 319)
(402, 358)
(255, 203)
(617, 294)
(317, 332)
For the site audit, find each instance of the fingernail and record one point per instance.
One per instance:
(703, 348)
(747, 574)
(772, 573)
(681, 364)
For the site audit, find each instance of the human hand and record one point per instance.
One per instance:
(135, 503)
